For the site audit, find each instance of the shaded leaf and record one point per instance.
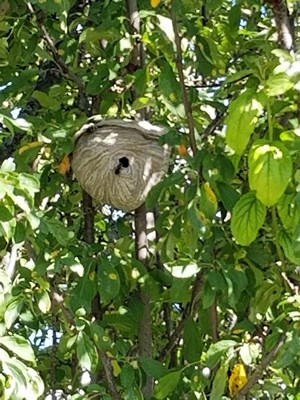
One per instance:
(166, 385)
(219, 383)
(248, 217)
(152, 367)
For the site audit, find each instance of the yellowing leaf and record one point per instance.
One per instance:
(237, 380)
(209, 203)
(115, 366)
(64, 166)
(155, 3)
(210, 193)
(182, 150)
(29, 146)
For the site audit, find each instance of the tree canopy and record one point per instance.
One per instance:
(212, 310)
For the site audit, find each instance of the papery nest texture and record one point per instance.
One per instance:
(118, 162)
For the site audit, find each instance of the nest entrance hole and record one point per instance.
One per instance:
(123, 163)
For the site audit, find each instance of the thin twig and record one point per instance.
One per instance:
(190, 311)
(184, 92)
(209, 130)
(257, 374)
(57, 58)
(214, 322)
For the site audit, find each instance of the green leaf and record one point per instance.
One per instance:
(270, 169)
(97, 34)
(192, 341)
(96, 83)
(265, 297)
(5, 214)
(166, 385)
(19, 123)
(216, 351)
(58, 230)
(84, 292)
(237, 282)
(45, 100)
(21, 202)
(278, 84)
(152, 367)
(100, 337)
(108, 281)
(44, 302)
(242, 117)
(13, 311)
(248, 216)
(288, 245)
(208, 296)
(86, 352)
(19, 346)
(228, 195)
(20, 232)
(219, 383)
(19, 377)
(234, 17)
(289, 211)
(127, 376)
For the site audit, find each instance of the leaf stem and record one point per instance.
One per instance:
(270, 125)
(276, 233)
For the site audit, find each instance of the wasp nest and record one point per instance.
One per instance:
(117, 162)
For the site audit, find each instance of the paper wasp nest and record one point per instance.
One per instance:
(117, 162)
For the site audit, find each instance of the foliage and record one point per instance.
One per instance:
(224, 284)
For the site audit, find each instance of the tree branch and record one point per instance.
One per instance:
(89, 216)
(257, 374)
(89, 237)
(140, 215)
(283, 23)
(110, 378)
(145, 328)
(214, 321)
(184, 92)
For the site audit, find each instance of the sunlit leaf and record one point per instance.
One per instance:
(19, 346)
(270, 169)
(155, 3)
(237, 379)
(278, 84)
(242, 117)
(86, 351)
